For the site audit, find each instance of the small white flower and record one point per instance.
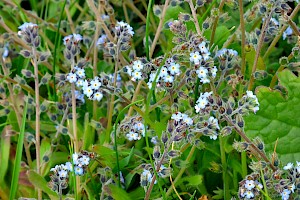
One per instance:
(202, 72)
(213, 137)
(287, 32)
(78, 170)
(75, 158)
(125, 25)
(195, 57)
(68, 166)
(84, 160)
(76, 38)
(288, 166)
(249, 185)
(137, 65)
(79, 83)
(163, 72)
(101, 39)
(132, 136)
(174, 68)
(24, 26)
(128, 70)
(95, 84)
(88, 91)
(285, 195)
(169, 78)
(214, 71)
(63, 173)
(137, 75)
(187, 119)
(206, 56)
(139, 126)
(71, 77)
(80, 72)
(98, 96)
(292, 188)
(177, 116)
(214, 122)
(201, 103)
(249, 194)
(205, 80)
(202, 47)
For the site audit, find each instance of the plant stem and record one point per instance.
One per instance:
(17, 112)
(254, 147)
(278, 36)
(216, 23)
(112, 100)
(224, 170)
(37, 116)
(259, 46)
(192, 7)
(160, 25)
(243, 42)
(180, 173)
(136, 92)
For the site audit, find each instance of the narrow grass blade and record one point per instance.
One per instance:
(17, 166)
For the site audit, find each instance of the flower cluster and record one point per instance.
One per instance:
(205, 69)
(29, 33)
(135, 70)
(249, 187)
(72, 46)
(253, 101)
(202, 101)
(60, 176)
(133, 128)
(148, 174)
(167, 74)
(226, 54)
(182, 117)
(288, 185)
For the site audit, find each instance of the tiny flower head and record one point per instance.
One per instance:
(137, 65)
(78, 170)
(174, 68)
(249, 185)
(195, 57)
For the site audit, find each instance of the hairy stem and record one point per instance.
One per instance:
(160, 25)
(214, 28)
(254, 147)
(192, 7)
(259, 46)
(37, 115)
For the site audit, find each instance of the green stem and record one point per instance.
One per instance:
(224, 169)
(17, 165)
(259, 46)
(216, 23)
(115, 137)
(56, 46)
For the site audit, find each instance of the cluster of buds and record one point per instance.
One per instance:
(148, 173)
(29, 33)
(133, 128)
(72, 46)
(250, 187)
(286, 187)
(60, 176)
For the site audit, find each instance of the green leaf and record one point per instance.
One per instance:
(4, 155)
(250, 56)
(118, 193)
(191, 180)
(125, 161)
(40, 182)
(278, 118)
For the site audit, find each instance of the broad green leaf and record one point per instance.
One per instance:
(221, 35)
(250, 56)
(4, 155)
(278, 118)
(125, 161)
(191, 180)
(40, 182)
(118, 193)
